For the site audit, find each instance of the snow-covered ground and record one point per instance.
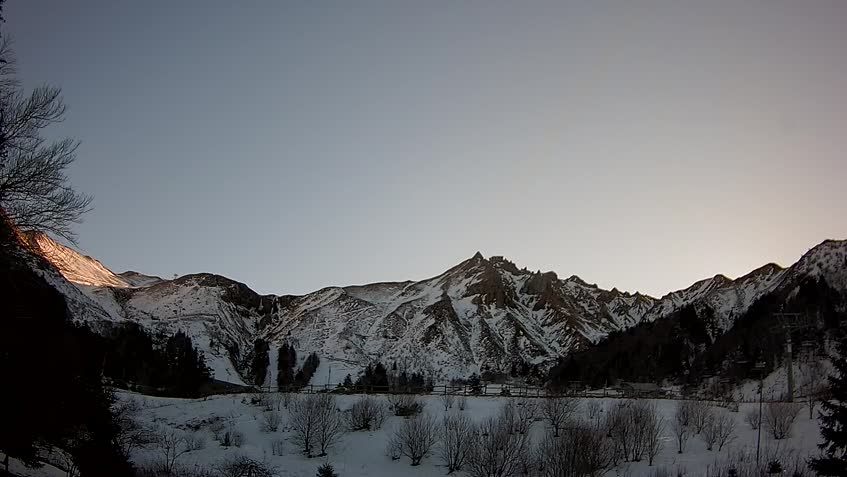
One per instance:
(363, 453)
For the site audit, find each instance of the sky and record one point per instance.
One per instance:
(641, 145)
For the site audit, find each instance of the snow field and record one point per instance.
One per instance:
(363, 453)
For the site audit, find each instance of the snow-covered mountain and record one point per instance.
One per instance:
(482, 314)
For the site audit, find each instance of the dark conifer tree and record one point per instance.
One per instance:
(834, 421)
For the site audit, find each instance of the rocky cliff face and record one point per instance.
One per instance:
(482, 314)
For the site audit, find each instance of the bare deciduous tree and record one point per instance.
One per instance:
(580, 452)
(751, 417)
(497, 450)
(680, 426)
(447, 400)
(330, 423)
(416, 437)
(700, 413)
(366, 414)
(724, 430)
(463, 402)
(593, 410)
(779, 418)
(170, 445)
(654, 425)
(34, 189)
(405, 404)
(270, 421)
(304, 421)
(457, 432)
(813, 384)
(525, 412)
(131, 433)
(557, 411)
(720, 430)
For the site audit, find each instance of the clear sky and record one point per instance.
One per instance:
(297, 145)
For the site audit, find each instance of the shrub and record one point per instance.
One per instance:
(779, 418)
(366, 414)
(270, 421)
(457, 432)
(416, 437)
(405, 405)
(239, 466)
(326, 470)
(752, 418)
(580, 451)
(497, 451)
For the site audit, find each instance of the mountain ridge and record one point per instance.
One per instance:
(481, 315)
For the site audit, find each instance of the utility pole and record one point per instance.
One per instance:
(760, 367)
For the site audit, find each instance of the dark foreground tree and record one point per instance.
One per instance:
(34, 189)
(53, 397)
(834, 420)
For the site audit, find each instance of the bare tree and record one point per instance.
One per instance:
(779, 418)
(170, 445)
(593, 410)
(416, 437)
(724, 430)
(131, 434)
(34, 189)
(654, 426)
(463, 402)
(752, 418)
(394, 447)
(457, 433)
(304, 421)
(330, 423)
(580, 452)
(557, 411)
(700, 413)
(447, 400)
(813, 384)
(525, 412)
(497, 450)
(680, 427)
(270, 421)
(366, 414)
(405, 404)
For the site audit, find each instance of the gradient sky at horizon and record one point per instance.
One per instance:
(641, 145)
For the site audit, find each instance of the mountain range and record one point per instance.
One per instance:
(482, 315)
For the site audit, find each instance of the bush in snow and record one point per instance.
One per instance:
(498, 451)
(579, 451)
(719, 430)
(751, 417)
(456, 437)
(278, 447)
(366, 414)
(779, 418)
(558, 411)
(316, 423)
(679, 426)
(405, 405)
(270, 421)
(240, 466)
(416, 437)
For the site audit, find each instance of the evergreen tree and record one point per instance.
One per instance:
(259, 362)
(834, 420)
(326, 470)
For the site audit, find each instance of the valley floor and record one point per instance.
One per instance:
(364, 453)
